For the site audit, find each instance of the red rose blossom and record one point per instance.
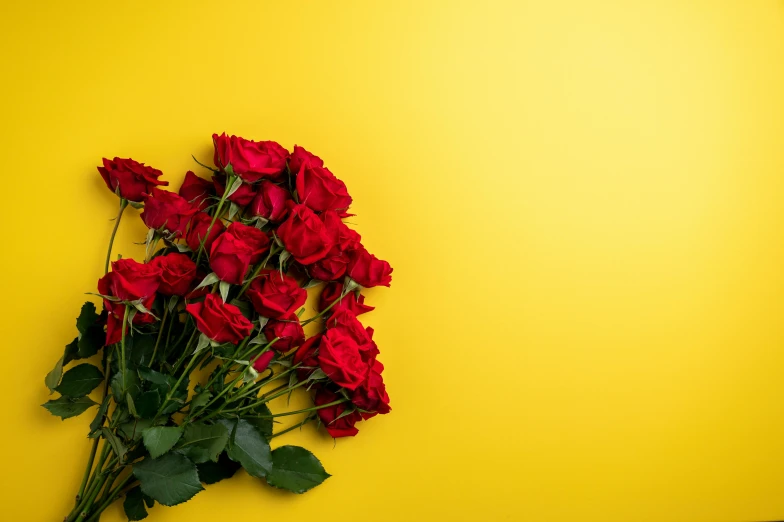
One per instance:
(350, 301)
(367, 270)
(130, 280)
(242, 196)
(197, 230)
(333, 418)
(196, 190)
(302, 157)
(263, 360)
(307, 357)
(178, 272)
(304, 236)
(275, 295)
(339, 357)
(270, 202)
(134, 179)
(221, 322)
(343, 239)
(320, 190)
(235, 250)
(250, 160)
(371, 395)
(288, 330)
(166, 211)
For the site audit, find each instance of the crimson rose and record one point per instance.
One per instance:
(335, 421)
(221, 322)
(276, 295)
(371, 395)
(242, 196)
(178, 272)
(367, 270)
(130, 280)
(339, 357)
(304, 236)
(263, 360)
(235, 250)
(350, 301)
(196, 190)
(271, 202)
(300, 157)
(197, 230)
(167, 211)
(250, 160)
(306, 357)
(288, 330)
(134, 179)
(320, 190)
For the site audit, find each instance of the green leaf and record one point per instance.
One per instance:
(170, 479)
(80, 380)
(117, 446)
(53, 377)
(203, 442)
(134, 504)
(91, 341)
(148, 403)
(201, 399)
(65, 407)
(131, 405)
(249, 448)
(262, 420)
(87, 317)
(160, 439)
(141, 349)
(212, 472)
(133, 429)
(295, 469)
(131, 386)
(97, 422)
(71, 351)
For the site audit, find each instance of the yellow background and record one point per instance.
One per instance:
(582, 201)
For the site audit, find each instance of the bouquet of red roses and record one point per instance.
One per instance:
(197, 339)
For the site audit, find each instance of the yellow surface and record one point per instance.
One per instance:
(582, 201)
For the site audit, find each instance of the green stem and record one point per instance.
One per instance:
(87, 471)
(115, 493)
(305, 410)
(256, 271)
(294, 427)
(229, 183)
(174, 388)
(123, 204)
(160, 334)
(269, 398)
(122, 349)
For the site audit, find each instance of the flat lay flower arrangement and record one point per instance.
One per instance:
(196, 339)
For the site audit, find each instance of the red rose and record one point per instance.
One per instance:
(346, 322)
(350, 301)
(197, 229)
(304, 236)
(130, 281)
(133, 178)
(302, 157)
(320, 190)
(178, 272)
(250, 160)
(196, 190)
(235, 250)
(263, 360)
(242, 196)
(289, 332)
(271, 202)
(339, 357)
(334, 265)
(306, 356)
(221, 322)
(167, 211)
(333, 418)
(116, 313)
(275, 295)
(371, 396)
(367, 270)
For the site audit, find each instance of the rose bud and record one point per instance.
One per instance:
(178, 272)
(306, 356)
(352, 303)
(196, 190)
(276, 295)
(235, 250)
(134, 179)
(250, 160)
(263, 360)
(166, 211)
(367, 270)
(304, 236)
(289, 333)
(320, 190)
(300, 157)
(221, 322)
(270, 202)
(197, 230)
(339, 357)
(371, 396)
(333, 418)
(130, 280)
(242, 196)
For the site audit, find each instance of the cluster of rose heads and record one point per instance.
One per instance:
(208, 329)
